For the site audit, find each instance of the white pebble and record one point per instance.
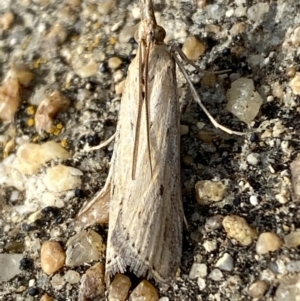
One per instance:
(201, 283)
(253, 200)
(253, 158)
(225, 263)
(216, 275)
(198, 270)
(210, 246)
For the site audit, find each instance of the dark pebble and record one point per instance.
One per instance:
(33, 291)
(79, 193)
(26, 263)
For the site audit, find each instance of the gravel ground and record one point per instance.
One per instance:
(80, 51)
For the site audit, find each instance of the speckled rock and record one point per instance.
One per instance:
(84, 247)
(193, 48)
(144, 291)
(52, 257)
(243, 101)
(119, 288)
(209, 191)
(92, 283)
(236, 227)
(258, 289)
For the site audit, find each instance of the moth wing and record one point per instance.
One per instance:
(146, 214)
(96, 211)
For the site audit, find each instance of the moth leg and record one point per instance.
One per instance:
(101, 145)
(96, 211)
(198, 100)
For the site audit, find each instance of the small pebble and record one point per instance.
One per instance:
(238, 28)
(292, 240)
(84, 247)
(87, 70)
(56, 35)
(236, 227)
(9, 266)
(256, 12)
(293, 266)
(209, 245)
(277, 90)
(72, 277)
(62, 178)
(253, 158)
(7, 20)
(52, 257)
(291, 71)
(58, 281)
(22, 73)
(46, 297)
(47, 110)
(119, 87)
(10, 99)
(106, 7)
(198, 270)
(201, 283)
(114, 63)
(215, 275)
(213, 223)
(267, 242)
(258, 289)
(295, 36)
(253, 200)
(243, 101)
(144, 291)
(92, 283)
(118, 76)
(225, 263)
(288, 289)
(295, 84)
(33, 291)
(184, 129)
(119, 288)
(193, 48)
(30, 156)
(295, 171)
(209, 191)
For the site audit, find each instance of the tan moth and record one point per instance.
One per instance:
(143, 187)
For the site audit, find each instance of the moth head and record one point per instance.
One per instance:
(159, 34)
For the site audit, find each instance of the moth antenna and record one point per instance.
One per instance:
(147, 105)
(198, 100)
(139, 114)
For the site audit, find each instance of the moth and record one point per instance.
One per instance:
(143, 187)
